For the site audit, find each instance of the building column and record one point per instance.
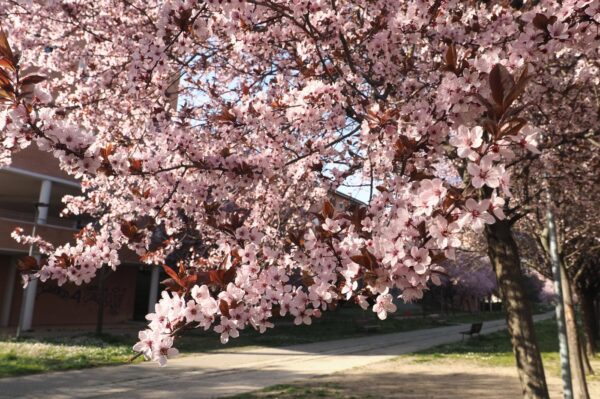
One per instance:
(26, 316)
(153, 297)
(9, 290)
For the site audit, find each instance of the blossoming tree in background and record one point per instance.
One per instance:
(471, 280)
(278, 103)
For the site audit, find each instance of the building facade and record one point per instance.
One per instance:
(31, 190)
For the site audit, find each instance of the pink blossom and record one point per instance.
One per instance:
(227, 328)
(497, 205)
(164, 351)
(558, 30)
(466, 140)
(419, 260)
(445, 233)
(331, 225)
(384, 305)
(527, 139)
(484, 173)
(394, 252)
(475, 215)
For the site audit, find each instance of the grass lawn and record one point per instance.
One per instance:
(495, 349)
(30, 356)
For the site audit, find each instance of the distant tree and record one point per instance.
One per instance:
(470, 277)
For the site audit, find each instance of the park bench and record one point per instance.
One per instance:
(475, 329)
(367, 325)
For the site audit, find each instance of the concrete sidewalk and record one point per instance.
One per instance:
(231, 372)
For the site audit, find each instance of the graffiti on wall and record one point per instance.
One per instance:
(113, 297)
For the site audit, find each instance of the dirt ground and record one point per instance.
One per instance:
(408, 378)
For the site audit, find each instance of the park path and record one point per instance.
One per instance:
(229, 372)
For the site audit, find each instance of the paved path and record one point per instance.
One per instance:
(231, 372)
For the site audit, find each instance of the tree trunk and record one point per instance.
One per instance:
(586, 360)
(577, 370)
(590, 322)
(100, 314)
(504, 256)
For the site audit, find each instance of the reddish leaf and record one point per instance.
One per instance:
(27, 263)
(106, 151)
(245, 89)
(10, 96)
(224, 116)
(106, 169)
(418, 175)
(8, 64)
(171, 273)
(513, 126)
(317, 167)
(422, 228)
(4, 79)
(517, 89)
(540, 21)
(358, 215)
(496, 87)
(328, 209)
(224, 308)
(307, 279)
(450, 57)
(203, 278)
(64, 261)
(229, 276)
(32, 79)
(448, 202)
(130, 231)
(490, 126)
(366, 260)
(135, 165)
(361, 260)
(507, 79)
(225, 152)
(171, 284)
(189, 281)
(404, 147)
(5, 48)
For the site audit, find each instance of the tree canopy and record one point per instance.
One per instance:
(227, 123)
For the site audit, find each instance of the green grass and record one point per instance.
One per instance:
(31, 356)
(495, 349)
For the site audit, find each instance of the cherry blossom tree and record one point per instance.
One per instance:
(470, 277)
(228, 122)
